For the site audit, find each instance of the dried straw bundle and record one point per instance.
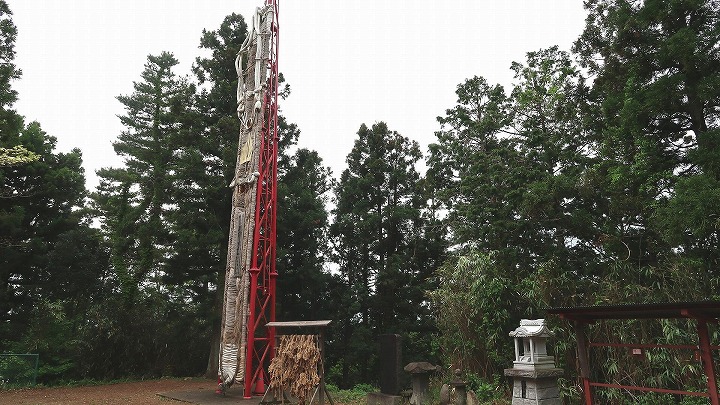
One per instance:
(295, 367)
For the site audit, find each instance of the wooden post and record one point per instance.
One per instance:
(582, 350)
(707, 361)
(321, 346)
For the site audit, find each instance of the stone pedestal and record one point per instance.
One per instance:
(535, 387)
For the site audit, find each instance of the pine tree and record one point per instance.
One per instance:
(39, 209)
(135, 202)
(8, 70)
(11, 123)
(50, 258)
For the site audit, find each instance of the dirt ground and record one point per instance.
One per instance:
(142, 392)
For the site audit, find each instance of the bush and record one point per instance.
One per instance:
(17, 370)
(475, 305)
(356, 395)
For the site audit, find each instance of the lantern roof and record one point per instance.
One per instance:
(531, 328)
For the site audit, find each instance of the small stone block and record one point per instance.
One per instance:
(533, 392)
(378, 398)
(517, 389)
(545, 383)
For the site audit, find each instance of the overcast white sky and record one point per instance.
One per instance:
(348, 62)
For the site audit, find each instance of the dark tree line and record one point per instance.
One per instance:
(593, 179)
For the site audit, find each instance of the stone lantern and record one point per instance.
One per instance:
(420, 378)
(534, 373)
(532, 336)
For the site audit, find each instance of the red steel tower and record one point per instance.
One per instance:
(260, 340)
(247, 346)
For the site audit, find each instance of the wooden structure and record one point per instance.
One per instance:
(701, 312)
(309, 327)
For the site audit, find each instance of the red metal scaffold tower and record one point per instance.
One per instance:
(261, 340)
(247, 346)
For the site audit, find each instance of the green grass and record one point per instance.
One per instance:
(354, 396)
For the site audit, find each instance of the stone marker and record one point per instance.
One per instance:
(445, 395)
(390, 360)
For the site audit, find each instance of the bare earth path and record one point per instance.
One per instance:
(142, 392)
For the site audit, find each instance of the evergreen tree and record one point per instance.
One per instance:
(149, 211)
(381, 245)
(8, 71)
(219, 129)
(656, 70)
(39, 210)
(41, 193)
(513, 172)
(473, 169)
(302, 239)
(589, 191)
(552, 119)
(51, 262)
(135, 202)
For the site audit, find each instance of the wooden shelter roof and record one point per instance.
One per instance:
(707, 310)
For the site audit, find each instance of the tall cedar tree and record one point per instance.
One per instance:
(657, 69)
(594, 191)
(10, 121)
(218, 127)
(381, 246)
(302, 224)
(551, 119)
(509, 171)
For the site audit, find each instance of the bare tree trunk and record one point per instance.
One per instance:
(214, 358)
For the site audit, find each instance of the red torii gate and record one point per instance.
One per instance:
(702, 312)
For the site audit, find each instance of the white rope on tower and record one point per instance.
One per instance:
(250, 93)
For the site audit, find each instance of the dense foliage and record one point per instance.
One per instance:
(593, 179)
(385, 249)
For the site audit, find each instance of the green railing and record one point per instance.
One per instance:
(18, 370)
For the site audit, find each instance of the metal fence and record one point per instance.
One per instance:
(18, 370)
